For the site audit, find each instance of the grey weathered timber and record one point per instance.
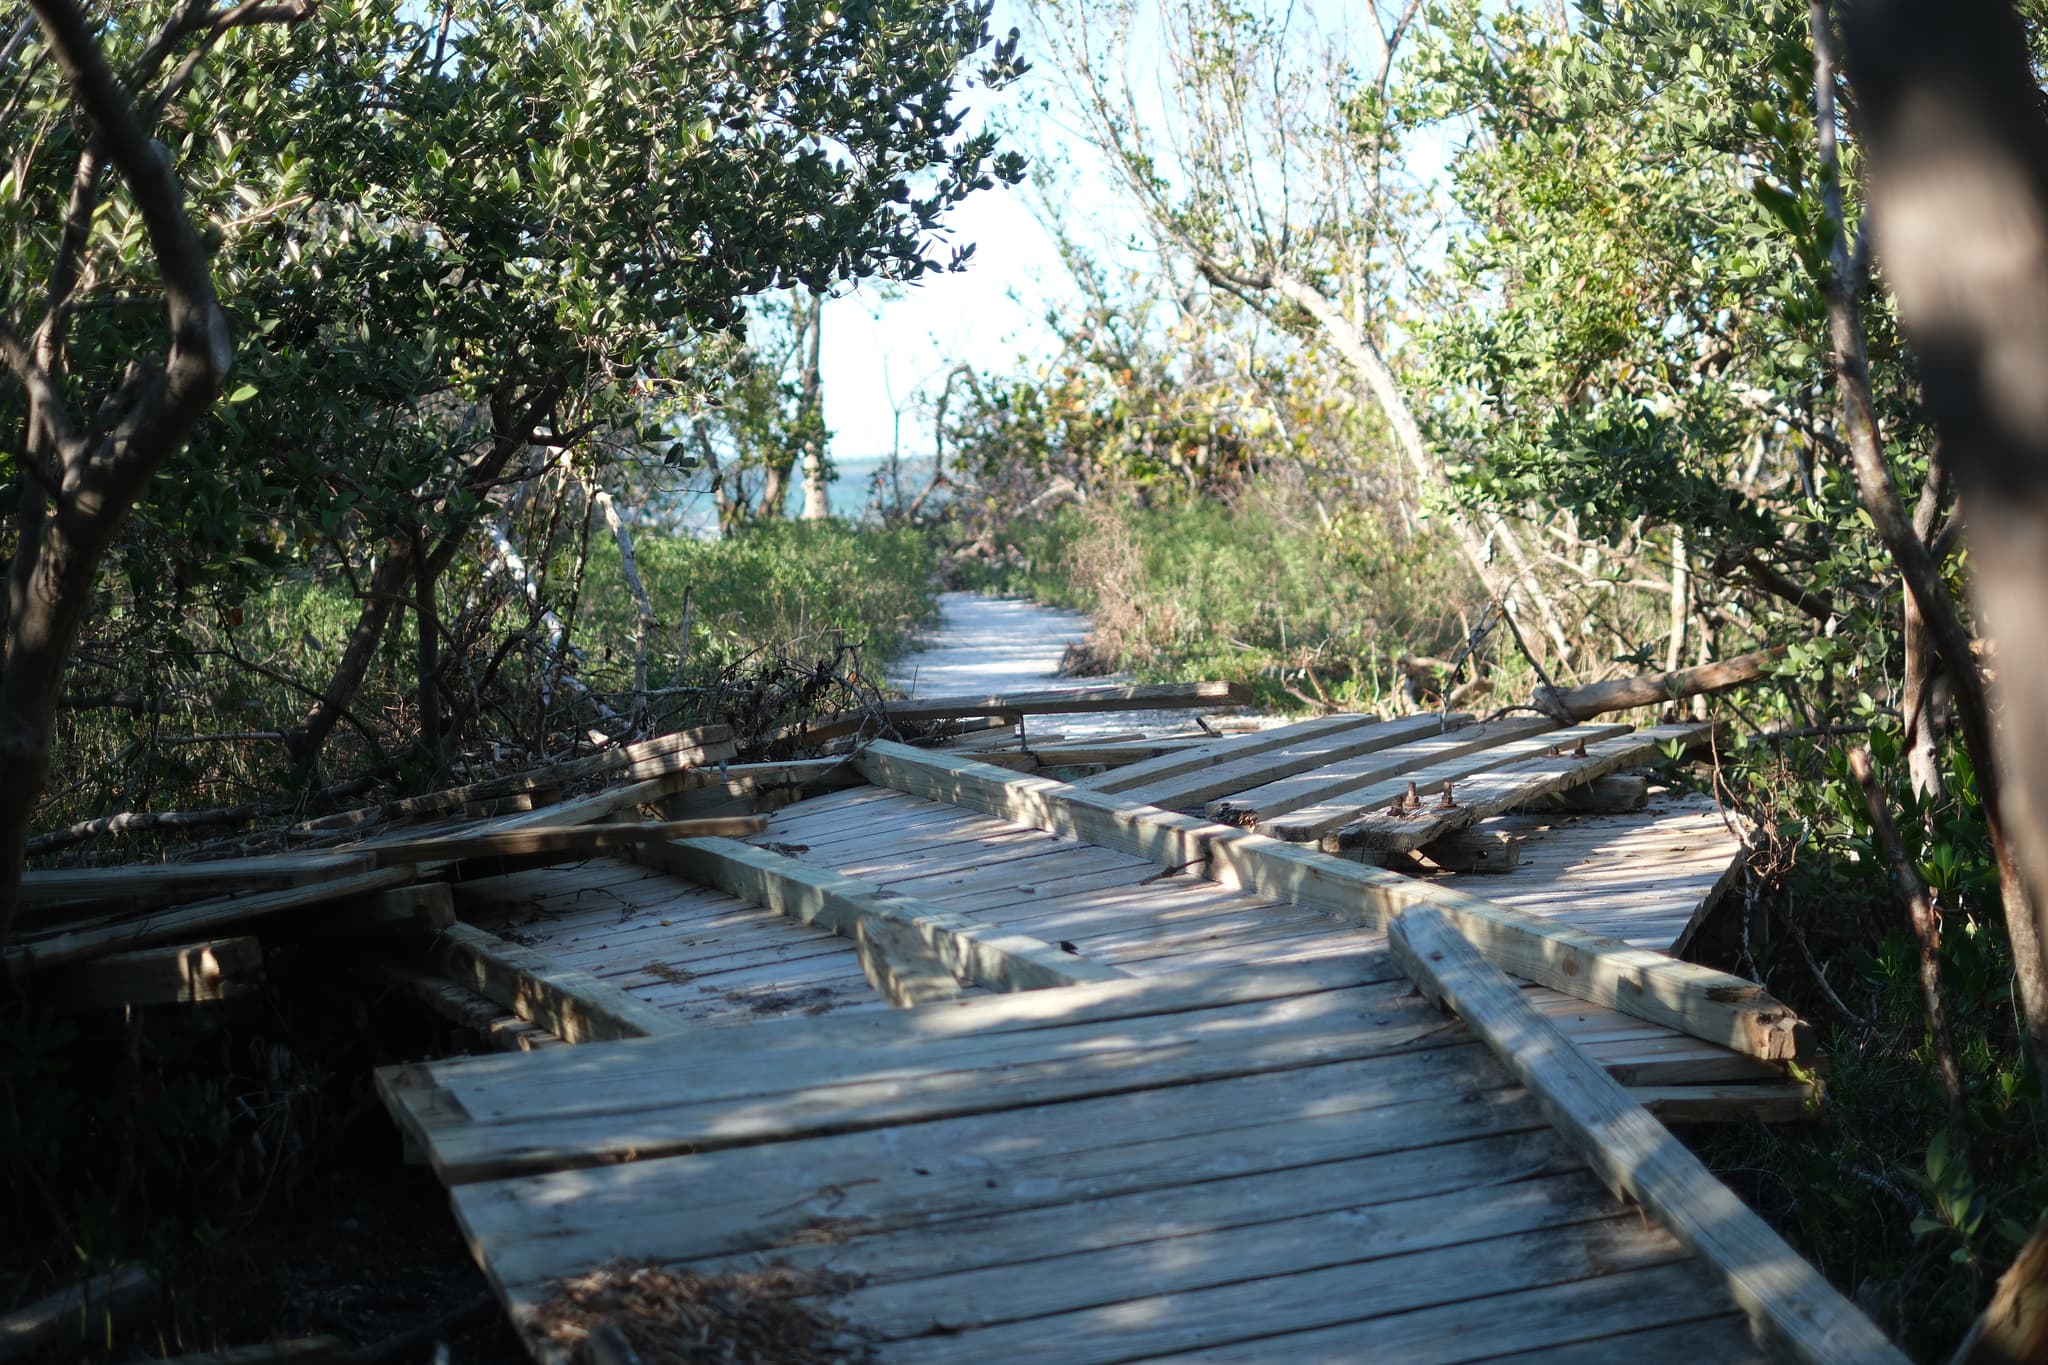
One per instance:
(1716, 1006)
(1229, 749)
(1636, 1155)
(570, 840)
(1192, 789)
(175, 974)
(1277, 795)
(84, 1312)
(1614, 794)
(138, 884)
(195, 920)
(574, 1006)
(1502, 789)
(973, 951)
(1333, 809)
(1059, 702)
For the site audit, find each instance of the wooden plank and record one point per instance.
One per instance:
(1194, 758)
(461, 1006)
(1614, 794)
(1396, 831)
(573, 1005)
(1263, 1130)
(198, 919)
(571, 841)
(1062, 1281)
(1060, 702)
(1090, 1248)
(1332, 809)
(597, 806)
(1472, 850)
(900, 965)
(1190, 790)
(1494, 742)
(1021, 1073)
(1724, 1009)
(1634, 1154)
(1578, 1315)
(1785, 1102)
(85, 1312)
(175, 974)
(137, 884)
(974, 951)
(1256, 1306)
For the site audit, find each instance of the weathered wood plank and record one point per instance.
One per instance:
(137, 884)
(900, 965)
(571, 841)
(1061, 1280)
(195, 920)
(699, 1103)
(1785, 1102)
(983, 953)
(175, 974)
(1069, 701)
(1255, 1306)
(1196, 757)
(1633, 1153)
(1504, 788)
(84, 1312)
(1576, 1317)
(1192, 789)
(1614, 794)
(1479, 745)
(742, 1199)
(1716, 1006)
(573, 1005)
(1332, 809)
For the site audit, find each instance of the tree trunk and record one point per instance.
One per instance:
(387, 588)
(811, 420)
(645, 621)
(1378, 383)
(1958, 152)
(77, 488)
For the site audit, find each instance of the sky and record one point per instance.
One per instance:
(883, 346)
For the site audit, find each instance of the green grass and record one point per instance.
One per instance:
(1261, 589)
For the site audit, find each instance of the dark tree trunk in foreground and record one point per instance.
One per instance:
(1957, 141)
(80, 481)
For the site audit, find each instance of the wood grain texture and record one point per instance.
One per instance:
(1306, 796)
(1708, 1004)
(1504, 788)
(813, 895)
(1207, 755)
(1192, 789)
(574, 1006)
(1633, 1153)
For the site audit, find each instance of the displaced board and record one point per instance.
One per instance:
(1094, 1173)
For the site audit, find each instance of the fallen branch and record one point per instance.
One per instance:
(1652, 689)
(142, 822)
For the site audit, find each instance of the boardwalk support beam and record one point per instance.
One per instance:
(1634, 1154)
(1699, 1001)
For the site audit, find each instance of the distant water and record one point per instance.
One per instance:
(851, 495)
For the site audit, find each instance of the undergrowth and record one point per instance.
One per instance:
(1265, 588)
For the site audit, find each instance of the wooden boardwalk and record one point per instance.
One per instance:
(1224, 1126)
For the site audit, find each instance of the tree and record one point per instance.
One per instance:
(1276, 168)
(76, 478)
(467, 245)
(1958, 149)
